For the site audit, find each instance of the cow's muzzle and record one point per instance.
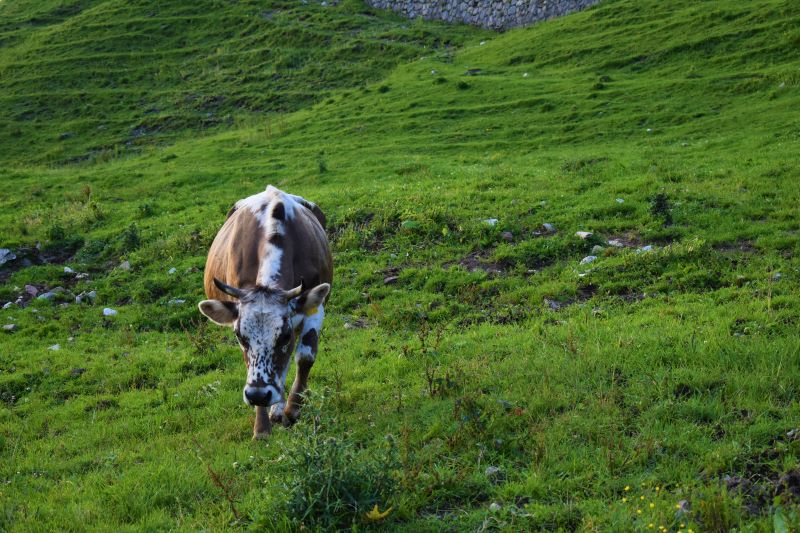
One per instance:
(260, 396)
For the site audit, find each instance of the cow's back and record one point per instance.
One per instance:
(235, 254)
(241, 245)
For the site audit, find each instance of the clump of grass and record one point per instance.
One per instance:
(131, 238)
(334, 483)
(661, 209)
(56, 233)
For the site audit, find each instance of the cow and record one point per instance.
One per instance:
(268, 276)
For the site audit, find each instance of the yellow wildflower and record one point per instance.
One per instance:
(638, 511)
(627, 487)
(374, 515)
(624, 500)
(652, 505)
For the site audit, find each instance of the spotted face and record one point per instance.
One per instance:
(264, 321)
(265, 333)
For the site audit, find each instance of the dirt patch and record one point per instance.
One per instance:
(582, 294)
(632, 297)
(760, 484)
(758, 492)
(743, 246)
(478, 261)
(629, 239)
(25, 257)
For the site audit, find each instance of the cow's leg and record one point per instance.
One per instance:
(304, 356)
(262, 426)
(276, 410)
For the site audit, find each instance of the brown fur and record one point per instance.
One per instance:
(240, 245)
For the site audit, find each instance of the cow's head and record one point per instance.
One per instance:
(264, 320)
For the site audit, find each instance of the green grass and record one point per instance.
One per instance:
(673, 372)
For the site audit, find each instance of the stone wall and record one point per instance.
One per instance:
(494, 14)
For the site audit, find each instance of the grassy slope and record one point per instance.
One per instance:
(672, 368)
(97, 79)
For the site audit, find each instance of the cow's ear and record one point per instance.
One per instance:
(308, 302)
(222, 313)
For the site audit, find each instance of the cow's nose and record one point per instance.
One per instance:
(260, 396)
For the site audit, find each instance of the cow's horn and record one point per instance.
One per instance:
(294, 293)
(227, 289)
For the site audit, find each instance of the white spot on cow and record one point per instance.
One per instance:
(276, 411)
(313, 321)
(256, 203)
(269, 272)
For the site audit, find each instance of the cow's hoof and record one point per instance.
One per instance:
(276, 413)
(261, 435)
(290, 418)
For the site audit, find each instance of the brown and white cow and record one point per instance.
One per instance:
(268, 276)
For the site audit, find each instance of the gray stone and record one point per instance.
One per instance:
(125, 265)
(507, 236)
(549, 228)
(491, 221)
(31, 290)
(583, 234)
(6, 255)
(49, 295)
(68, 270)
(54, 347)
(588, 259)
(10, 327)
(597, 249)
(107, 311)
(492, 472)
(8, 305)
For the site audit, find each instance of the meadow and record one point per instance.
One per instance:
(477, 370)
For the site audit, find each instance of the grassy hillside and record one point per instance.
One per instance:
(473, 375)
(93, 80)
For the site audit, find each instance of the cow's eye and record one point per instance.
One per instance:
(284, 337)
